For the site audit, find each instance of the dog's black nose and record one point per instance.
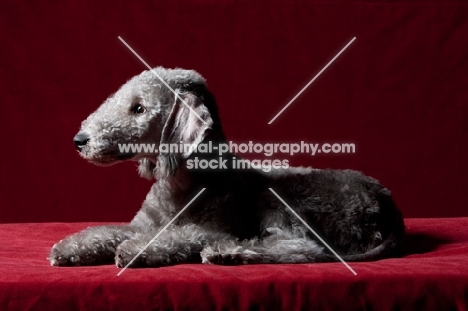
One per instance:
(80, 140)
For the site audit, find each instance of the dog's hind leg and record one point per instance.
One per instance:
(280, 247)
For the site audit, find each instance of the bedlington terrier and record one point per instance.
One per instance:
(237, 219)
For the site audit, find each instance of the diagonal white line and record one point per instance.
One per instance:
(161, 231)
(164, 82)
(313, 79)
(312, 230)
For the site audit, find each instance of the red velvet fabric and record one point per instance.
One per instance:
(432, 275)
(398, 92)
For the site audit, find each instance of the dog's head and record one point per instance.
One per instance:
(158, 106)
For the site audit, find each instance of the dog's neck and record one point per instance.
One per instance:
(195, 171)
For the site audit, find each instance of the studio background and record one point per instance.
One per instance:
(399, 92)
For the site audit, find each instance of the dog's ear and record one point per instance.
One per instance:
(188, 124)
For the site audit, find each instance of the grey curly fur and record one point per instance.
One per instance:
(237, 220)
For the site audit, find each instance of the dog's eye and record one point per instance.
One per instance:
(183, 89)
(138, 109)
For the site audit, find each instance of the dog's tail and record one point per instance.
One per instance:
(390, 247)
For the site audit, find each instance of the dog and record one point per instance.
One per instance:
(237, 219)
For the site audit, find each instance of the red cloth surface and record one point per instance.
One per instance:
(432, 275)
(398, 92)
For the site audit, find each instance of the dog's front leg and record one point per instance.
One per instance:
(176, 244)
(92, 246)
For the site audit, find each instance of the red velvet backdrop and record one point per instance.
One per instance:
(398, 92)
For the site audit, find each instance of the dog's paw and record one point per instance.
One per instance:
(230, 253)
(129, 253)
(60, 257)
(73, 253)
